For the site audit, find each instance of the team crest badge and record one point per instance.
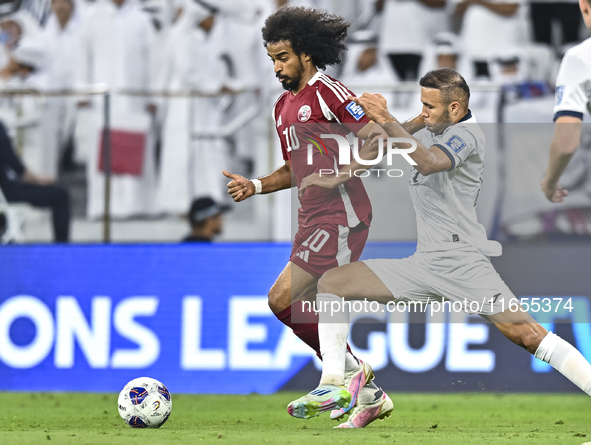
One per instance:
(355, 110)
(456, 144)
(304, 113)
(559, 94)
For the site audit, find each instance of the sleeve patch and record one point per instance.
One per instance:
(559, 94)
(355, 110)
(456, 144)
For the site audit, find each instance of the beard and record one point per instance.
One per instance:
(292, 83)
(289, 84)
(440, 127)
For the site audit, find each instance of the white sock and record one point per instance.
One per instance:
(333, 331)
(566, 359)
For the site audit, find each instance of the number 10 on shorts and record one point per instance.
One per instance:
(317, 240)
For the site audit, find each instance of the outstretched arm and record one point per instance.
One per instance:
(412, 125)
(241, 188)
(429, 160)
(415, 124)
(371, 146)
(567, 135)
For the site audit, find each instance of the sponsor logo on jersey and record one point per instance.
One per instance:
(355, 110)
(279, 122)
(305, 255)
(456, 144)
(559, 94)
(304, 113)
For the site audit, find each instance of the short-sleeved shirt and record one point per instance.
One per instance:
(445, 202)
(322, 107)
(573, 83)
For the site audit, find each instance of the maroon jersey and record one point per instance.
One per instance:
(322, 107)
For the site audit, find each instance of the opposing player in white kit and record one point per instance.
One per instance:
(452, 258)
(573, 99)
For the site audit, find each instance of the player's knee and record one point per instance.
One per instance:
(328, 283)
(277, 301)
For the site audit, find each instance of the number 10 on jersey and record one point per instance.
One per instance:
(291, 139)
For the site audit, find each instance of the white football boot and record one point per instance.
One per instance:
(354, 382)
(371, 405)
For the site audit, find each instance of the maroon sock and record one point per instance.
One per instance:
(306, 327)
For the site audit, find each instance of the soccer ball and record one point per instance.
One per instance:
(144, 403)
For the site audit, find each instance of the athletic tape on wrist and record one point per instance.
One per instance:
(258, 186)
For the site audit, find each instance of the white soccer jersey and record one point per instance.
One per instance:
(445, 202)
(573, 83)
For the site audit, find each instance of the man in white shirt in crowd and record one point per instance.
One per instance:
(18, 183)
(193, 63)
(59, 39)
(573, 98)
(246, 63)
(488, 28)
(407, 27)
(115, 43)
(365, 65)
(14, 27)
(21, 114)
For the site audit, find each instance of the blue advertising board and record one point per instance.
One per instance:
(91, 318)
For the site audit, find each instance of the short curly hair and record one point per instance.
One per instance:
(310, 31)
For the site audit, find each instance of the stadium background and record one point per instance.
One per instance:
(90, 317)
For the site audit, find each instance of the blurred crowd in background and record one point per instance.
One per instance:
(192, 87)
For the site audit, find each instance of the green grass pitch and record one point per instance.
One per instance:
(460, 418)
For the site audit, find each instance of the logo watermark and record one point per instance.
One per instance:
(532, 305)
(346, 148)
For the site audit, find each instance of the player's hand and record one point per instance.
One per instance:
(554, 194)
(375, 107)
(315, 179)
(239, 187)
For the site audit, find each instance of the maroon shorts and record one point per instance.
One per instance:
(325, 246)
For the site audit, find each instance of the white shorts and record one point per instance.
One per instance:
(464, 275)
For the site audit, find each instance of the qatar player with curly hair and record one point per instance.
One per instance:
(333, 225)
(309, 31)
